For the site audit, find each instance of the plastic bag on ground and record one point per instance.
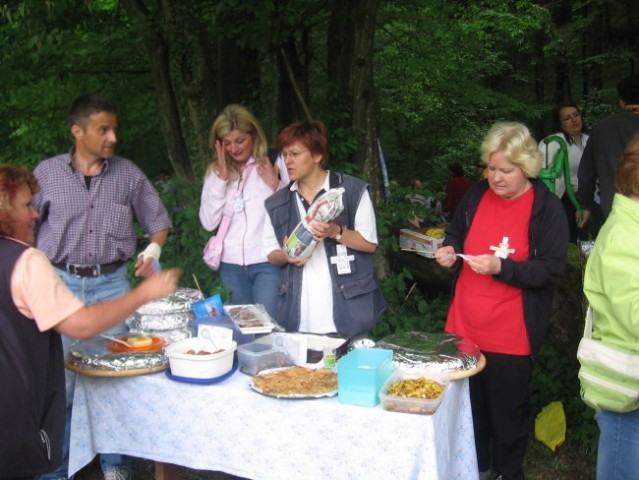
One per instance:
(550, 425)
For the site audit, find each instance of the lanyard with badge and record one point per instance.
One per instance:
(238, 203)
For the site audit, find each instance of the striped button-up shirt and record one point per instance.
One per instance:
(96, 225)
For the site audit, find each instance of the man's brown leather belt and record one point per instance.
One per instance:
(89, 270)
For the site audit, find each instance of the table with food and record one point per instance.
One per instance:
(274, 405)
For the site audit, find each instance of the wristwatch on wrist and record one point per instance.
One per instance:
(338, 237)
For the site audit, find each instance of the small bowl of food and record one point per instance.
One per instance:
(199, 358)
(414, 391)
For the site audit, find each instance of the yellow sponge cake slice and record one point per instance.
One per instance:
(139, 341)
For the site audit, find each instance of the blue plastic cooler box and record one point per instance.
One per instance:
(361, 374)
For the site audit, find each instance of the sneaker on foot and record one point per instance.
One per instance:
(486, 475)
(118, 474)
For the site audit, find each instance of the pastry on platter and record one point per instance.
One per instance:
(296, 381)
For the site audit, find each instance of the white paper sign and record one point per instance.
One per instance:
(294, 344)
(220, 336)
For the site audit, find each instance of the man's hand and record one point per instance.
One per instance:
(161, 284)
(585, 216)
(145, 267)
(148, 261)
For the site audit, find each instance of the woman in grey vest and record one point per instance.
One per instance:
(334, 290)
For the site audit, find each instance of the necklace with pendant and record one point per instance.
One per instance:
(238, 203)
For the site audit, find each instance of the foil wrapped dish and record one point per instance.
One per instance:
(180, 301)
(96, 356)
(432, 352)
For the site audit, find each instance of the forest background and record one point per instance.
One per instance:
(405, 87)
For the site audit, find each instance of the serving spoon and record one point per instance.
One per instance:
(117, 340)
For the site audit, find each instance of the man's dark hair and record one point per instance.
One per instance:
(85, 106)
(628, 89)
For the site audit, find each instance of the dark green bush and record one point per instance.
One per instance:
(187, 238)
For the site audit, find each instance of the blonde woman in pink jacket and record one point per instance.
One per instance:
(241, 177)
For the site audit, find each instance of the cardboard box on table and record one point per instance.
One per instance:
(419, 242)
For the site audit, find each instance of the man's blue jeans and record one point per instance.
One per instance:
(618, 451)
(90, 290)
(257, 283)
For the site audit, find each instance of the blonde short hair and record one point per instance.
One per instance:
(514, 140)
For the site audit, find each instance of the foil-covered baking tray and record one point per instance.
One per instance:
(432, 352)
(180, 301)
(160, 322)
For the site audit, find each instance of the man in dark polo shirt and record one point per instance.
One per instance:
(89, 202)
(606, 143)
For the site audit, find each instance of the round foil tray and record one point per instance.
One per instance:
(459, 374)
(93, 357)
(92, 372)
(434, 352)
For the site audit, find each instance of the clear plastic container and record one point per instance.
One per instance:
(255, 357)
(422, 406)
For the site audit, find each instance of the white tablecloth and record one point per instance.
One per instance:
(229, 427)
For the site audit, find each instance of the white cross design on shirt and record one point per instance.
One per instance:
(342, 260)
(502, 251)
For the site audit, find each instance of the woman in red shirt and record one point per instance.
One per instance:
(514, 236)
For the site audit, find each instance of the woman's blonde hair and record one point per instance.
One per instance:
(627, 181)
(514, 140)
(236, 117)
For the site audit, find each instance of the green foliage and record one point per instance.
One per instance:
(435, 115)
(398, 209)
(183, 248)
(57, 51)
(555, 379)
(408, 310)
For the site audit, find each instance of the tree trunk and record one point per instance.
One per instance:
(160, 72)
(238, 71)
(293, 83)
(192, 64)
(350, 62)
